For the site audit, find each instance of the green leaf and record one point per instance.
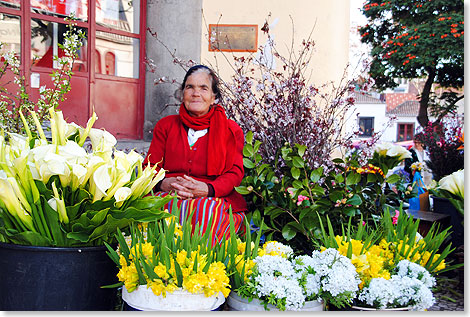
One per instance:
(393, 179)
(249, 137)
(248, 150)
(248, 163)
(298, 162)
(353, 178)
(242, 190)
(301, 149)
(295, 172)
(338, 160)
(288, 232)
(354, 200)
(336, 195)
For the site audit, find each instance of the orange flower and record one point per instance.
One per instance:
(461, 139)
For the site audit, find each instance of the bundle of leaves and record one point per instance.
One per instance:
(288, 205)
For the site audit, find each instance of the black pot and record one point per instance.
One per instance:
(443, 205)
(48, 278)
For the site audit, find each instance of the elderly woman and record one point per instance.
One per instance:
(201, 151)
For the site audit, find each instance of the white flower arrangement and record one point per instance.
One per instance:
(392, 150)
(409, 286)
(288, 282)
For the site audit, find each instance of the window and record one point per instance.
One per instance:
(110, 61)
(366, 126)
(97, 62)
(45, 37)
(405, 131)
(10, 34)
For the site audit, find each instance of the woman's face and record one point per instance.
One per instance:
(197, 94)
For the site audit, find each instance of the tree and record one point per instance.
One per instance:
(418, 39)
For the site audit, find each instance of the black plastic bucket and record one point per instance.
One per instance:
(46, 278)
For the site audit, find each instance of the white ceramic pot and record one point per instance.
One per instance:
(180, 300)
(237, 303)
(376, 309)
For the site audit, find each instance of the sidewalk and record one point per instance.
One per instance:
(139, 146)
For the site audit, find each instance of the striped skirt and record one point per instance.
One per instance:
(205, 208)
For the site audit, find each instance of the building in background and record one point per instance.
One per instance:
(112, 76)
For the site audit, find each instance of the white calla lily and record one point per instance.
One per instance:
(383, 147)
(79, 173)
(12, 204)
(60, 204)
(102, 140)
(18, 143)
(71, 128)
(399, 151)
(454, 183)
(72, 152)
(100, 182)
(84, 132)
(121, 195)
(392, 150)
(58, 127)
(122, 178)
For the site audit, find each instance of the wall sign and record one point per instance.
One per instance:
(233, 37)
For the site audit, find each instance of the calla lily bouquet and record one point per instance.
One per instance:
(388, 155)
(452, 187)
(55, 193)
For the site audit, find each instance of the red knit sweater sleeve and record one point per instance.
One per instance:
(225, 183)
(156, 151)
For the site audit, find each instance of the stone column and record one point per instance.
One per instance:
(177, 24)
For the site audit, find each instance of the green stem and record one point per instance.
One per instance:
(44, 223)
(37, 220)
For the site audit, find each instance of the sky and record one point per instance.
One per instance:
(357, 50)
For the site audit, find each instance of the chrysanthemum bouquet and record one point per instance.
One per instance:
(56, 193)
(286, 281)
(165, 256)
(409, 286)
(394, 262)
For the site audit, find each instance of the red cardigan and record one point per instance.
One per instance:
(170, 145)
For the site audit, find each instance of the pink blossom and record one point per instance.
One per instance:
(300, 199)
(395, 218)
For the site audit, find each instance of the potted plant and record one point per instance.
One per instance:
(272, 278)
(289, 204)
(164, 266)
(395, 264)
(58, 205)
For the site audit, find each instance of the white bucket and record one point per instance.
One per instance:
(237, 303)
(180, 300)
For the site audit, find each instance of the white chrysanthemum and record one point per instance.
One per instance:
(398, 291)
(281, 287)
(274, 264)
(328, 272)
(410, 269)
(380, 293)
(274, 247)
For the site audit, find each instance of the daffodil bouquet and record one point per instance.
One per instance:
(56, 193)
(166, 256)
